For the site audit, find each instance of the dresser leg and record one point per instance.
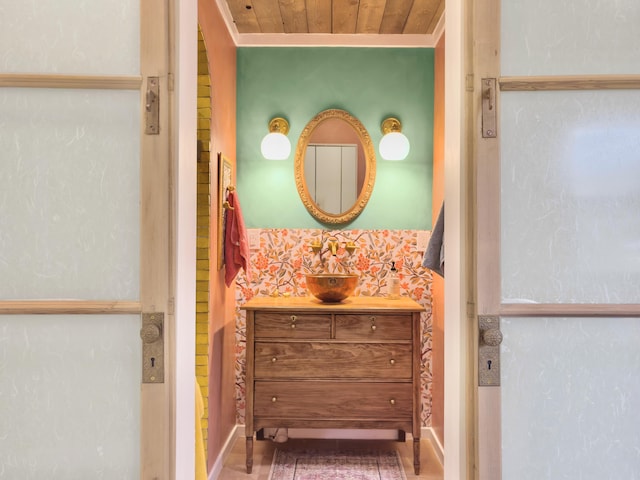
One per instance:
(249, 454)
(416, 455)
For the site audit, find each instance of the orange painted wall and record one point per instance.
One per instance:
(221, 53)
(437, 407)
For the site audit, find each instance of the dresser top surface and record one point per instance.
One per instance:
(402, 304)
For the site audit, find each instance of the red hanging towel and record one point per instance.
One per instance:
(236, 242)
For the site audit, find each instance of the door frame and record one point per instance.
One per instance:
(459, 418)
(459, 387)
(459, 406)
(183, 103)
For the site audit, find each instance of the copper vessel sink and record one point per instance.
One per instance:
(331, 287)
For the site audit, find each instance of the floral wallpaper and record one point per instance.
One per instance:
(284, 256)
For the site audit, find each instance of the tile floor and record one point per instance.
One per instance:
(234, 466)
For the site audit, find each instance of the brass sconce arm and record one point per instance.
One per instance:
(316, 246)
(350, 247)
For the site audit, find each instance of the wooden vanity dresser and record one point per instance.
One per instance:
(354, 364)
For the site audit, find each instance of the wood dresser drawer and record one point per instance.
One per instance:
(292, 325)
(373, 327)
(337, 360)
(333, 400)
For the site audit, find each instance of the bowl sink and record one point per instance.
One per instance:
(331, 287)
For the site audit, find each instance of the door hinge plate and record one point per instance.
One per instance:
(152, 337)
(490, 338)
(152, 106)
(489, 115)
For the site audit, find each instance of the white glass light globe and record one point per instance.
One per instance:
(275, 146)
(394, 146)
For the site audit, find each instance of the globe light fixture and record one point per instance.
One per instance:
(394, 144)
(275, 145)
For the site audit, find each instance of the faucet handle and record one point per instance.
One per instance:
(316, 246)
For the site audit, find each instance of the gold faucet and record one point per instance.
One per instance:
(333, 245)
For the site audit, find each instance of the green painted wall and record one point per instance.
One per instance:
(371, 84)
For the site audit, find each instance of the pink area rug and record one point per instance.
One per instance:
(323, 465)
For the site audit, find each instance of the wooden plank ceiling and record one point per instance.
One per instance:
(336, 16)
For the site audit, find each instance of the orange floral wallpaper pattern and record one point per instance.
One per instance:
(284, 256)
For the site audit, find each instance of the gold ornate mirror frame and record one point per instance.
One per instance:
(370, 168)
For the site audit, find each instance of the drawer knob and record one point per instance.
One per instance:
(274, 399)
(392, 401)
(274, 360)
(392, 361)
(373, 328)
(293, 325)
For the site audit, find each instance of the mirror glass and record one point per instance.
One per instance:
(335, 166)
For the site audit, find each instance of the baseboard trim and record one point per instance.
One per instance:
(237, 431)
(438, 448)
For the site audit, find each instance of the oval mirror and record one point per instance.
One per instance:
(335, 166)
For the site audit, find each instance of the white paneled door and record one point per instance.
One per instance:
(558, 238)
(84, 240)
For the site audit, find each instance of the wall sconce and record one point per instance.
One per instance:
(394, 144)
(275, 145)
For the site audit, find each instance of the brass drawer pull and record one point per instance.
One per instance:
(392, 361)
(274, 360)
(293, 321)
(373, 323)
(274, 399)
(373, 328)
(392, 401)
